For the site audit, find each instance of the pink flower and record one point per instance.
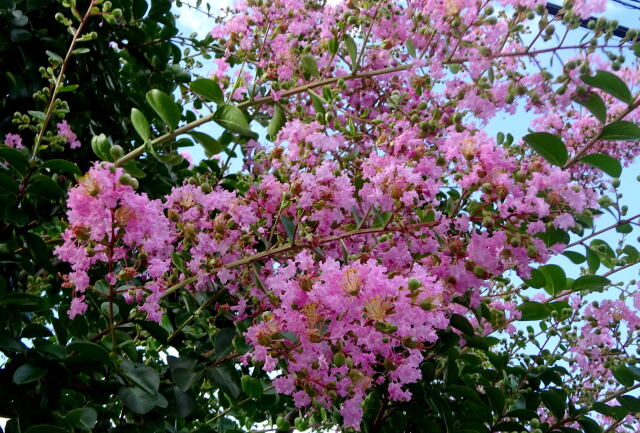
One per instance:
(64, 130)
(13, 140)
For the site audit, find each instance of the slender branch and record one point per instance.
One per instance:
(620, 268)
(599, 232)
(318, 83)
(595, 139)
(56, 87)
(257, 102)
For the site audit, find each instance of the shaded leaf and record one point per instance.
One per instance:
(137, 400)
(28, 373)
(83, 418)
(62, 165)
(554, 402)
(144, 377)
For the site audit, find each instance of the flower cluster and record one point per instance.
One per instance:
(64, 130)
(120, 231)
(381, 202)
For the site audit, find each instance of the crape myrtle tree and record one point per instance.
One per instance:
(380, 263)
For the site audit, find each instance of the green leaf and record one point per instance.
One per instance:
(223, 342)
(623, 375)
(87, 351)
(251, 386)
(184, 378)
(23, 301)
(606, 163)
(352, 51)
(155, 330)
(631, 252)
(496, 399)
(140, 124)
(615, 412)
(42, 185)
(575, 257)
(594, 103)
(461, 323)
(39, 115)
(28, 373)
(46, 428)
(624, 228)
(593, 261)
(68, 88)
(164, 106)
(233, 119)
(62, 165)
(289, 227)
(589, 425)
(11, 344)
(555, 402)
(276, 123)
(549, 146)
(39, 251)
(622, 130)
(411, 49)
(138, 400)
(334, 44)
(606, 254)
(15, 158)
(309, 65)
(210, 145)
(589, 283)
(632, 404)
(180, 403)
(208, 89)
(132, 168)
(144, 377)
(610, 83)
(533, 311)
(83, 418)
(509, 426)
(556, 279)
(227, 379)
(8, 185)
(317, 102)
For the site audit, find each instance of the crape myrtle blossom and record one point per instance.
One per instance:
(13, 140)
(381, 202)
(64, 130)
(110, 223)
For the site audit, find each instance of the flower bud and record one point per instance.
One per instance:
(127, 179)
